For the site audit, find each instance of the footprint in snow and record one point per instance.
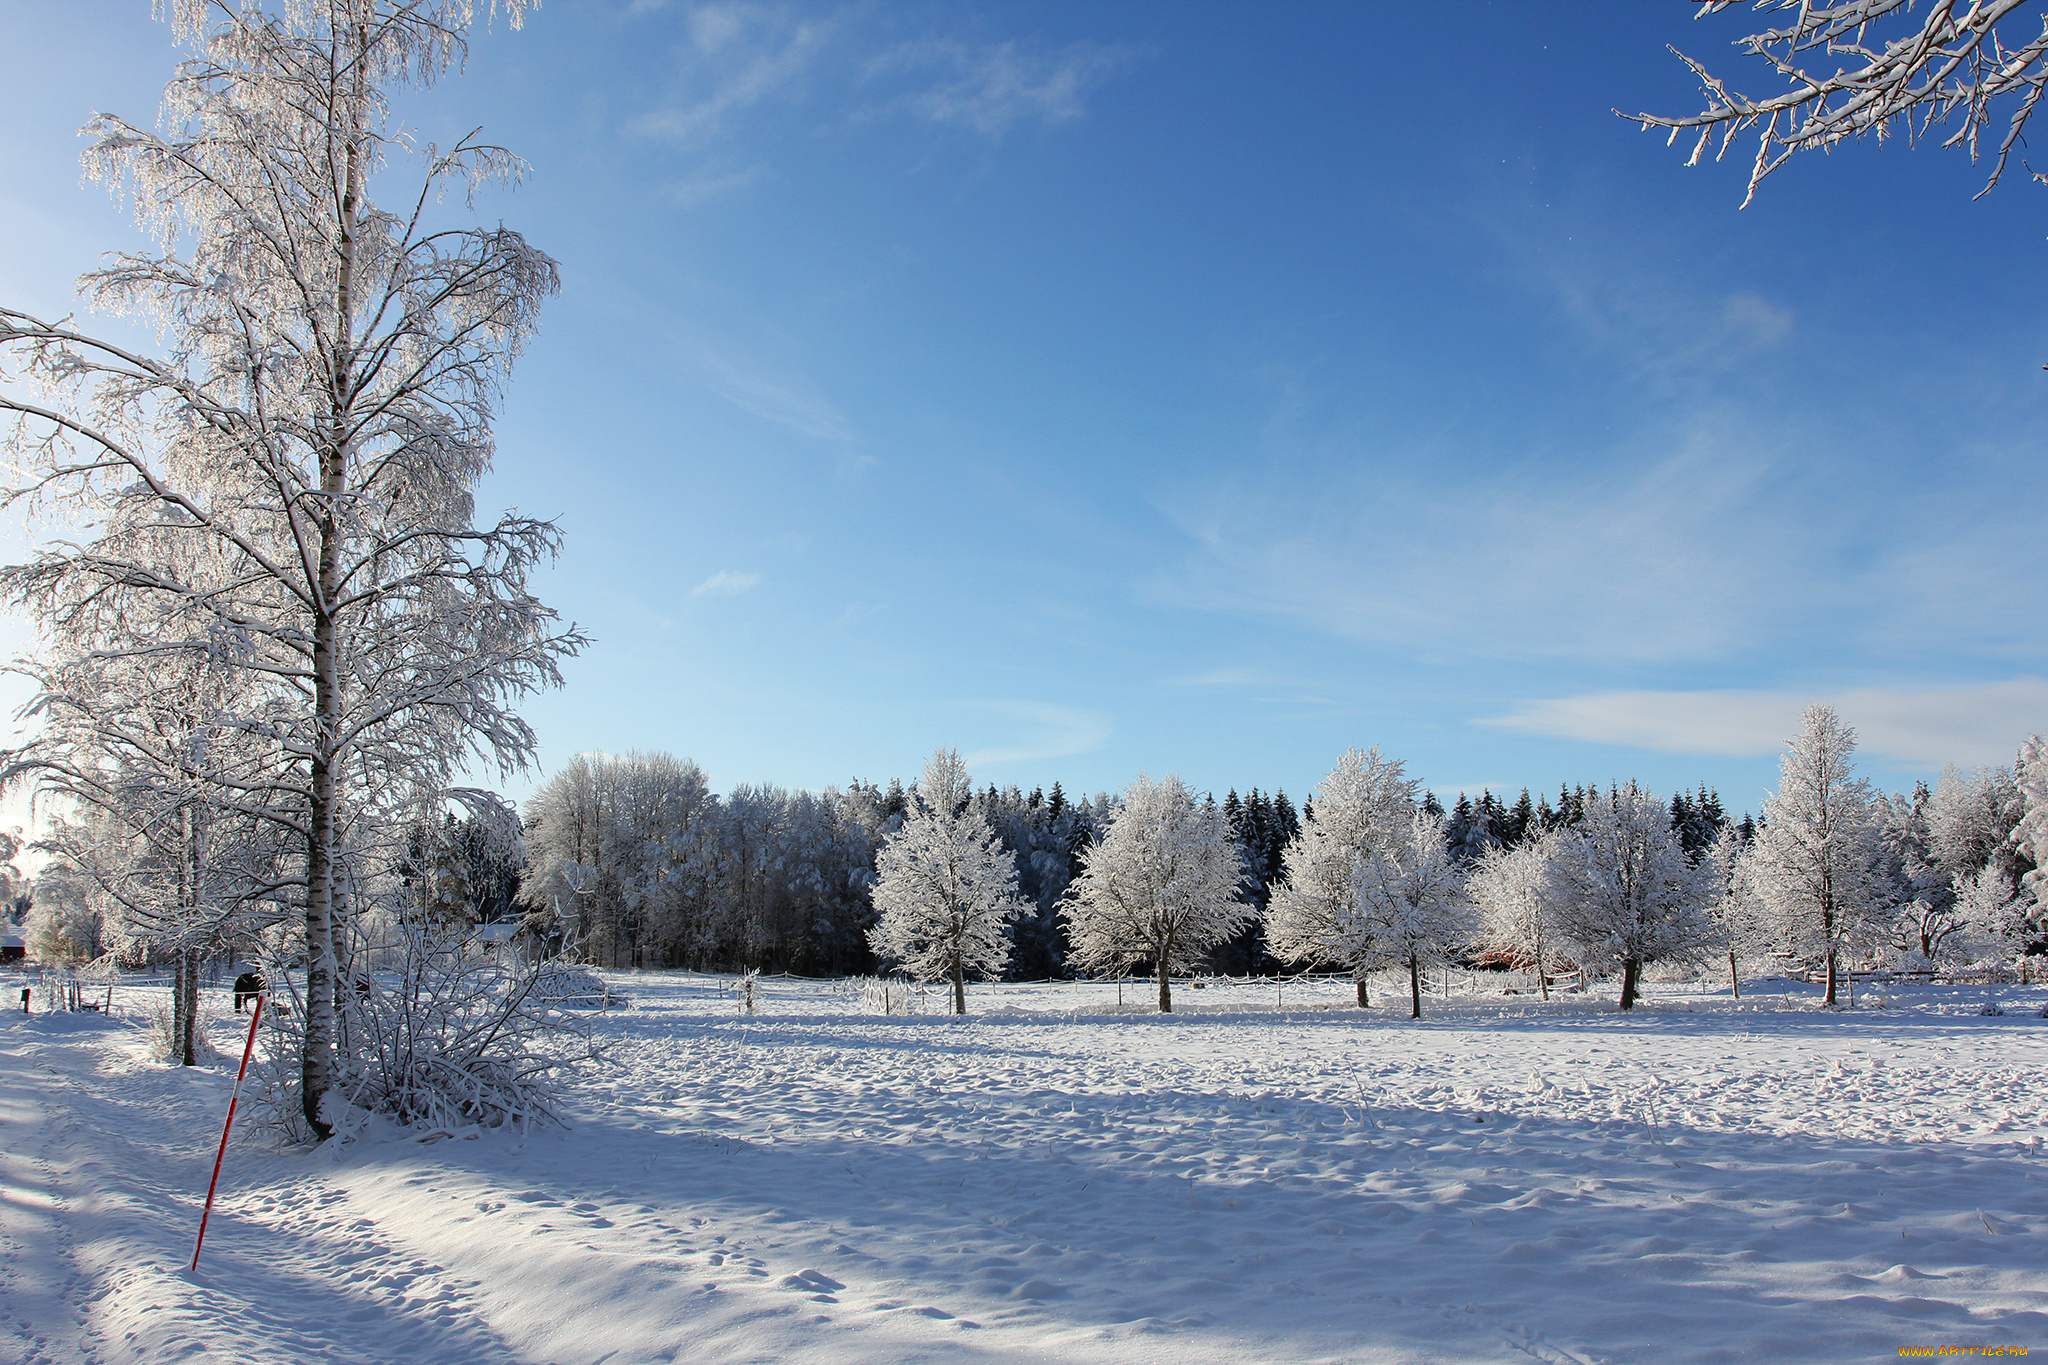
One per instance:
(816, 1283)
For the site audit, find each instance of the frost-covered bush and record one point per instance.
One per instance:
(455, 1037)
(166, 1043)
(572, 986)
(895, 995)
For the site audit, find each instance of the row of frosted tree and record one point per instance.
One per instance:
(634, 862)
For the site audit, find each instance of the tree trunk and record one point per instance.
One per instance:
(316, 1073)
(1363, 1003)
(959, 985)
(177, 1006)
(1734, 981)
(188, 986)
(1629, 968)
(1414, 987)
(181, 1010)
(1827, 930)
(1165, 988)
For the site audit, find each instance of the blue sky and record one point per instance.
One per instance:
(1201, 388)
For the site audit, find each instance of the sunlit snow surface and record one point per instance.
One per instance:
(1504, 1181)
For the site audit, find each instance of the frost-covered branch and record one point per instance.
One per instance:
(1970, 67)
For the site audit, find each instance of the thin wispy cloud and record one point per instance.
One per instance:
(1918, 726)
(736, 56)
(1233, 678)
(707, 183)
(1045, 731)
(993, 87)
(726, 583)
(1663, 561)
(756, 386)
(734, 60)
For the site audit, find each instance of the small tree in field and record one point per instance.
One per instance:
(1159, 885)
(1518, 914)
(1624, 889)
(1816, 862)
(945, 886)
(1413, 896)
(1362, 808)
(1731, 905)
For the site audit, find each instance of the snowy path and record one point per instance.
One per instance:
(1528, 1183)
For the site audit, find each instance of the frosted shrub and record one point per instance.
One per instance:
(888, 995)
(899, 995)
(166, 1045)
(572, 986)
(453, 1038)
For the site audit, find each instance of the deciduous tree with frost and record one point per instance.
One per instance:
(2030, 836)
(1413, 896)
(318, 426)
(1953, 69)
(945, 886)
(1992, 910)
(1518, 916)
(1625, 893)
(1363, 807)
(1732, 908)
(1816, 863)
(158, 802)
(1160, 885)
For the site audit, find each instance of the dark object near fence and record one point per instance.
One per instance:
(248, 986)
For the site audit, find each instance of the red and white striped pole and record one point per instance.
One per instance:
(227, 1128)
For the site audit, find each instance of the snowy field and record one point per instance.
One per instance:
(1506, 1181)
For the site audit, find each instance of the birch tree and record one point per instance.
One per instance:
(317, 427)
(1362, 808)
(1159, 885)
(1816, 860)
(945, 887)
(158, 800)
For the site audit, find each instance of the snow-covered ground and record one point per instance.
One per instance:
(1506, 1180)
